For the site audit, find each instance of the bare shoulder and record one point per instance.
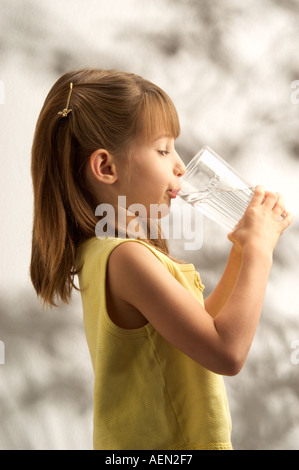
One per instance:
(127, 266)
(139, 280)
(133, 268)
(133, 283)
(132, 254)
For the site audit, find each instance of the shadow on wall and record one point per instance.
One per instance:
(265, 396)
(47, 381)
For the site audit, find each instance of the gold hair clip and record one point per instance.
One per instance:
(66, 111)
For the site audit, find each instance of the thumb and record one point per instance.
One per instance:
(230, 236)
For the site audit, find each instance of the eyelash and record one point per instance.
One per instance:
(163, 152)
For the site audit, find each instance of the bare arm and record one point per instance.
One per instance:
(218, 298)
(137, 277)
(237, 320)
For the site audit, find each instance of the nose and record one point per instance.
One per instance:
(179, 167)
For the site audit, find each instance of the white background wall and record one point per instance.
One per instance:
(228, 66)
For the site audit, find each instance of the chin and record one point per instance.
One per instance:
(159, 211)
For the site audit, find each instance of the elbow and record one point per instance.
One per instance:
(233, 368)
(234, 363)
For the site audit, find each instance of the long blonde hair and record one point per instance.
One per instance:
(109, 109)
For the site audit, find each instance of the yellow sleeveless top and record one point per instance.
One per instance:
(147, 393)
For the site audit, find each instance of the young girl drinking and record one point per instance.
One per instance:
(158, 349)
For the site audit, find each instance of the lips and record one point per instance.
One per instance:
(174, 192)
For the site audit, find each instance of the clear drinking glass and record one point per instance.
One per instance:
(215, 188)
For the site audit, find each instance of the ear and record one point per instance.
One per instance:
(102, 166)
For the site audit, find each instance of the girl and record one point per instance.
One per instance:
(158, 349)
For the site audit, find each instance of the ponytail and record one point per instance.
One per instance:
(63, 215)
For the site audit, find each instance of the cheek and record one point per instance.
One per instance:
(150, 180)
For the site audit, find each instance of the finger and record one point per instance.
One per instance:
(287, 220)
(258, 197)
(279, 206)
(270, 200)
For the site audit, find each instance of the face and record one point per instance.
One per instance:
(156, 169)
